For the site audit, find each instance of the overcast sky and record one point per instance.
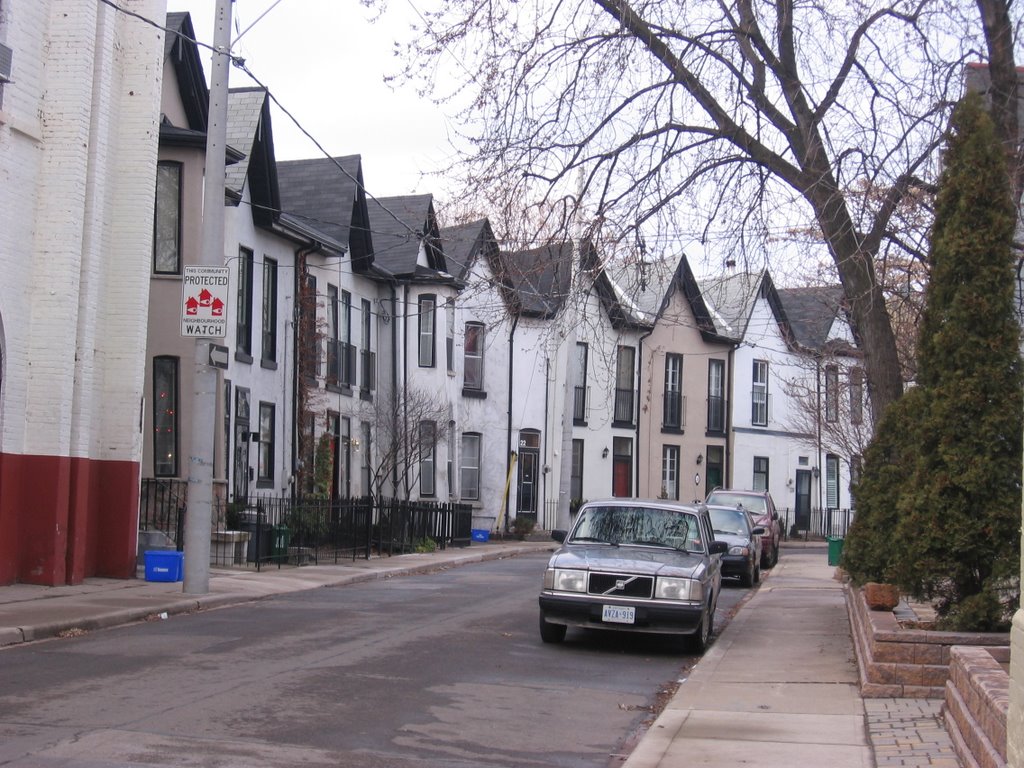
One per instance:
(325, 61)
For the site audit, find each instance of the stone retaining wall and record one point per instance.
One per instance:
(977, 699)
(904, 663)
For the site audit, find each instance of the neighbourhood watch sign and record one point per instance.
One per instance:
(204, 302)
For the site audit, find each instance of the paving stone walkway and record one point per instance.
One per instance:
(909, 733)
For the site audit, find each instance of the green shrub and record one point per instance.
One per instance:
(424, 545)
(951, 532)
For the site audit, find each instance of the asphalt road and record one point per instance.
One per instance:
(445, 669)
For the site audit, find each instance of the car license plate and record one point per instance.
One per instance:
(619, 614)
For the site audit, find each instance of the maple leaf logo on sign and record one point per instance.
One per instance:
(204, 296)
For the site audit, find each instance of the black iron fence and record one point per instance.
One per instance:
(816, 524)
(162, 508)
(281, 530)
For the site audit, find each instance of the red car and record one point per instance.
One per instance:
(761, 507)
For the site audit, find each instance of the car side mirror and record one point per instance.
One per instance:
(775, 515)
(759, 531)
(559, 535)
(718, 548)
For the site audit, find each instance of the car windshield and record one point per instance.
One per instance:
(732, 521)
(638, 525)
(755, 504)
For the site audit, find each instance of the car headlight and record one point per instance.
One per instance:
(678, 589)
(563, 580)
(745, 551)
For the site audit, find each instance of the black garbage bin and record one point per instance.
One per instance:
(258, 548)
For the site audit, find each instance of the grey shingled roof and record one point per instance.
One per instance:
(730, 300)
(245, 106)
(540, 277)
(398, 224)
(462, 242)
(811, 312)
(644, 282)
(319, 195)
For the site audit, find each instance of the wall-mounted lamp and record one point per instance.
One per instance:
(353, 443)
(700, 458)
(816, 472)
(604, 453)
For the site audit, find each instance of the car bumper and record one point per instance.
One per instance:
(735, 565)
(658, 616)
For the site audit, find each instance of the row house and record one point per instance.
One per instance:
(252, 446)
(795, 421)
(687, 367)
(486, 436)
(341, 329)
(79, 108)
(573, 392)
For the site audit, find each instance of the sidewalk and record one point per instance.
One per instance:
(778, 687)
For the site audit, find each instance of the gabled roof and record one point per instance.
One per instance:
(249, 130)
(730, 300)
(327, 195)
(685, 283)
(463, 242)
(622, 307)
(645, 282)
(540, 278)
(811, 313)
(183, 53)
(399, 224)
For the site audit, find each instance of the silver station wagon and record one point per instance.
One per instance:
(634, 565)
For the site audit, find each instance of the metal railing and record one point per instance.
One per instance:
(623, 408)
(273, 530)
(716, 414)
(162, 507)
(818, 523)
(674, 410)
(579, 404)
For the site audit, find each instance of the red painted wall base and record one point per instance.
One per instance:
(63, 519)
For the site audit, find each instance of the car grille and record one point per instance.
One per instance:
(621, 585)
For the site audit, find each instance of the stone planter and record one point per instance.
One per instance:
(228, 547)
(977, 699)
(905, 663)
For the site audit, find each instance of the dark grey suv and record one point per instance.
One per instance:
(634, 565)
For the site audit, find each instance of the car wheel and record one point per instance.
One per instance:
(775, 554)
(701, 639)
(747, 579)
(551, 633)
(757, 574)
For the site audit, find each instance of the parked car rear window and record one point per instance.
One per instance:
(755, 504)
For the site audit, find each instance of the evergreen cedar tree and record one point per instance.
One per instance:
(939, 501)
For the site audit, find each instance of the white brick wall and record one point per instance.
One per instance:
(77, 155)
